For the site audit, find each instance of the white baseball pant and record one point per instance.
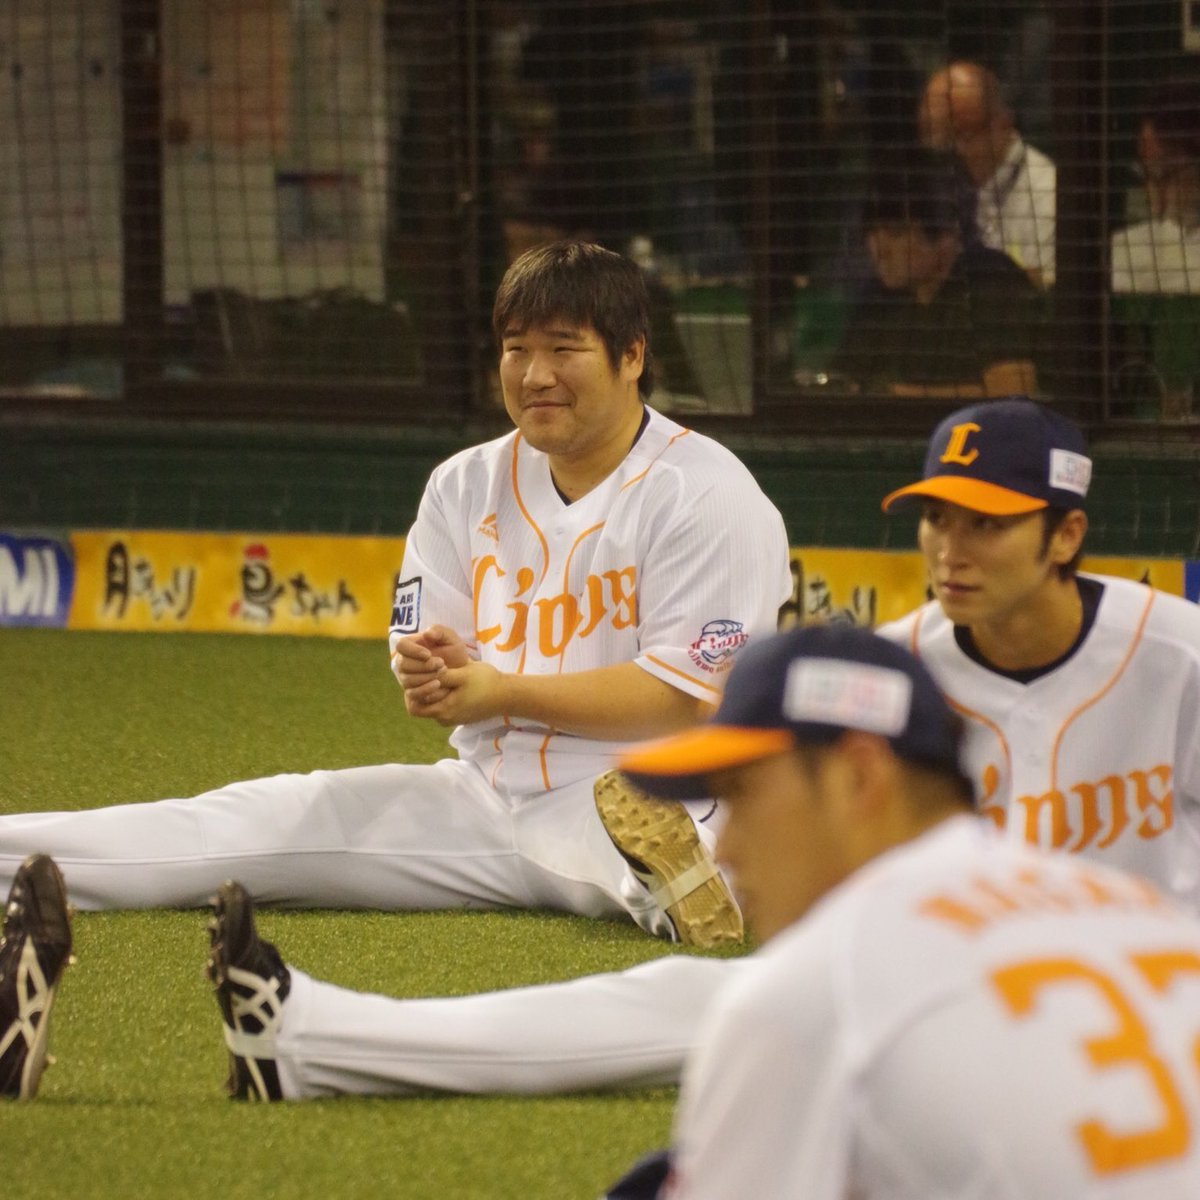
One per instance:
(395, 836)
(630, 1028)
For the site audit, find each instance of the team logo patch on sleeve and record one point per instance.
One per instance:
(718, 642)
(406, 608)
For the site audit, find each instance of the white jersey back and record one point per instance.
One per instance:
(673, 562)
(1100, 756)
(965, 1017)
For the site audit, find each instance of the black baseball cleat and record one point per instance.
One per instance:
(659, 842)
(251, 983)
(35, 947)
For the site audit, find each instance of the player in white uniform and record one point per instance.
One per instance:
(572, 587)
(1081, 692)
(936, 1010)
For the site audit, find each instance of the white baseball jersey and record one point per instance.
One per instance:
(963, 1017)
(1101, 756)
(1156, 258)
(673, 562)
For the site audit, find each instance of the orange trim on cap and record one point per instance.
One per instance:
(975, 494)
(705, 749)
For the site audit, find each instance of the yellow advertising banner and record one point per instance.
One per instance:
(234, 583)
(342, 586)
(871, 587)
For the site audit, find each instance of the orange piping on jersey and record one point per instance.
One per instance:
(536, 529)
(972, 715)
(499, 756)
(683, 674)
(642, 474)
(969, 713)
(1133, 645)
(542, 760)
(566, 577)
(914, 639)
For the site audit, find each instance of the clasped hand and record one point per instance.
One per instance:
(442, 682)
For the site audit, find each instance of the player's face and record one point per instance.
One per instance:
(985, 570)
(779, 842)
(562, 392)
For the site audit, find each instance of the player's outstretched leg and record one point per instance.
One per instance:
(35, 947)
(659, 841)
(251, 983)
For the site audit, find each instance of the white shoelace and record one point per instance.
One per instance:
(33, 998)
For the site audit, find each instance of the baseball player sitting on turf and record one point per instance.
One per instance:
(936, 1010)
(582, 583)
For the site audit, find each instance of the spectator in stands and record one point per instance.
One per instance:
(944, 316)
(962, 110)
(1162, 254)
(1156, 262)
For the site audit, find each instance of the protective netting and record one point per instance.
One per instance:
(852, 214)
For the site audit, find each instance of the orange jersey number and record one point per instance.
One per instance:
(1127, 1044)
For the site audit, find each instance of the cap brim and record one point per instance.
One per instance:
(680, 767)
(975, 494)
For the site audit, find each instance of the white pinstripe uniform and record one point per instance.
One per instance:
(1099, 756)
(672, 562)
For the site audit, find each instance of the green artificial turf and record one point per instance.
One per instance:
(134, 1106)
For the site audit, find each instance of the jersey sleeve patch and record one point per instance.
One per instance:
(406, 607)
(718, 642)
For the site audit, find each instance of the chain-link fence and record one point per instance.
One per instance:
(851, 213)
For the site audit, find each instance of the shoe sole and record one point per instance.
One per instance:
(37, 1059)
(246, 1080)
(658, 837)
(47, 893)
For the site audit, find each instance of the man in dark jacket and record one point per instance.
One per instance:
(944, 316)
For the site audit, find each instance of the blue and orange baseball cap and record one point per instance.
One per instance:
(806, 686)
(1003, 457)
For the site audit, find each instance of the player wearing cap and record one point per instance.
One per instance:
(936, 1010)
(1081, 692)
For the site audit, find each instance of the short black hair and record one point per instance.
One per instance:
(920, 187)
(582, 284)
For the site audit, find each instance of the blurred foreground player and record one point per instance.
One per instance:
(936, 1010)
